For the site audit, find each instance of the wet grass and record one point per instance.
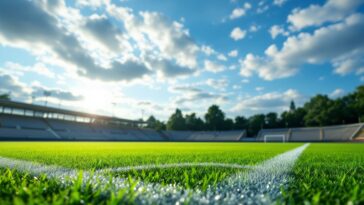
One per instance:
(324, 174)
(328, 174)
(22, 188)
(187, 177)
(97, 155)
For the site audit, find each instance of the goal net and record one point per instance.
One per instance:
(274, 138)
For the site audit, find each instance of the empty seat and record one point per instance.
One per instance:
(12, 121)
(17, 134)
(340, 133)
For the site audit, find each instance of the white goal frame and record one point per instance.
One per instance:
(282, 136)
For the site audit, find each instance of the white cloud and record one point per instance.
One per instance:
(236, 87)
(90, 3)
(239, 12)
(276, 30)
(207, 50)
(259, 89)
(103, 31)
(188, 95)
(279, 2)
(254, 28)
(247, 5)
(237, 34)
(75, 42)
(337, 93)
(37, 68)
(262, 7)
(233, 53)
(208, 97)
(213, 67)
(222, 57)
(59, 94)
(218, 84)
(316, 15)
(38, 32)
(278, 101)
(245, 80)
(172, 40)
(11, 84)
(345, 54)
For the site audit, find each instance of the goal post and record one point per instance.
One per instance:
(277, 136)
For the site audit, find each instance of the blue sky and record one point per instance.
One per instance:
(130, 57)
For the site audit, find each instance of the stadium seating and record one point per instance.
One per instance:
(305, 134)
(31, 128)
(230, 135)
(13, 121)
(359, 136)
(315, 134)
(341, 133)
(177, 135)
(18, 134)
(204, 135)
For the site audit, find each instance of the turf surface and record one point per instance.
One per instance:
(95, 155)
(324, 174)
(328, 174)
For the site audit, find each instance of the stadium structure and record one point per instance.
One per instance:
(22, 121)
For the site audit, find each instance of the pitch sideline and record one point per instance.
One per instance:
(260, 185)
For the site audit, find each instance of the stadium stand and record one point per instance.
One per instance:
(177, 135)
(12, 121)
(341, 133)
(359, 136)
(205, 135)
(305, 134)
(21, 121)
(316, 134)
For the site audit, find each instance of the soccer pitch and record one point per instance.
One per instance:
(153, 173)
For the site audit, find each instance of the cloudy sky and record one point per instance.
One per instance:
(124, 56)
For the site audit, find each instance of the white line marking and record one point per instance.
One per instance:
(260, 185)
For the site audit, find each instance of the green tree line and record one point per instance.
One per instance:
(320, 110)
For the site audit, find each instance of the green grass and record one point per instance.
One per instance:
(21, 189)
(94, 155)
(328, 174)
(324, 174)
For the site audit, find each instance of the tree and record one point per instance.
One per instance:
(292, 106)
(5, 96)
(194, 123)
(241, 123)
(350, 113)
(228, 124)
(272, 120)
(319, 111)
(176, 121)
(160, 126)
(214, 118)
(151, 122)
(256, 123)
(359, 102)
